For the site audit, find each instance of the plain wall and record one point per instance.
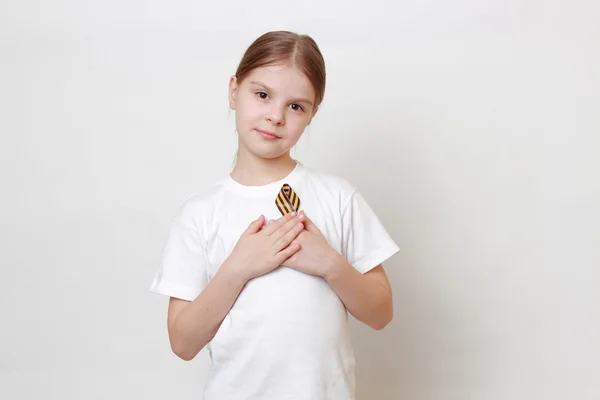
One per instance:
(470, 126)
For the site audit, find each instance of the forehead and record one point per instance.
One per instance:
(284, 78)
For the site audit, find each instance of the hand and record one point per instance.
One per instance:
(263, 248)
(315, 256)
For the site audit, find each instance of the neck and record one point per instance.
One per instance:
(252, 170)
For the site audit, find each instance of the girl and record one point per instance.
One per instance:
(262, 266)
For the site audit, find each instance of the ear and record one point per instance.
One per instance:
(233, 87)
(313, 114)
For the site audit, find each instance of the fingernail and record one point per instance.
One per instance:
(293, 213)
(301, 217)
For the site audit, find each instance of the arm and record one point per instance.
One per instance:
(368, 297)
(193, 324)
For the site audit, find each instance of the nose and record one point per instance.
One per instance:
(275, 115)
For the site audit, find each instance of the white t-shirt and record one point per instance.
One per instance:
(286, 336)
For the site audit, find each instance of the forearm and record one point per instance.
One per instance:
(200, 320)
(366, 299)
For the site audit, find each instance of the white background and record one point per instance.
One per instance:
(470, 126)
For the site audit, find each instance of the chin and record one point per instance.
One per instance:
(268, 154)
(266, 150)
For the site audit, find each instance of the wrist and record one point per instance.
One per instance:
(234, 274)
(333, 266)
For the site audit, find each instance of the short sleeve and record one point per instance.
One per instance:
(365, 241)
(182, 271)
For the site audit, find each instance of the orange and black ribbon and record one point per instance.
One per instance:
(287, 200)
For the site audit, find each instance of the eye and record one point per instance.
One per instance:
(296, 107)
(262, 95)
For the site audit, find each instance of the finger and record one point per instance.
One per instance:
(286, 253)
(289, 236)
(310, 226)
(254, 226)
(286, 227)
(276, 224)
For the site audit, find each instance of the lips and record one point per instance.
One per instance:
(268, 134)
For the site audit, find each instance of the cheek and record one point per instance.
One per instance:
(297, 123)
(248, 111)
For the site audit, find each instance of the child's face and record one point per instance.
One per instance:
(277, 100)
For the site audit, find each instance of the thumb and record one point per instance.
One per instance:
(309, 225)
(254, 226)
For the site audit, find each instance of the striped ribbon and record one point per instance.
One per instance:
(287, 200)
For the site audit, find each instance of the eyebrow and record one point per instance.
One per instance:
(296, 100)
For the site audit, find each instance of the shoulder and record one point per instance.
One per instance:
(194, 210)
(332, 187)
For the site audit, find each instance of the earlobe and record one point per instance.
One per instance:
(232, 91)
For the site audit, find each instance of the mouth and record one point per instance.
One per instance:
(268, 135)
